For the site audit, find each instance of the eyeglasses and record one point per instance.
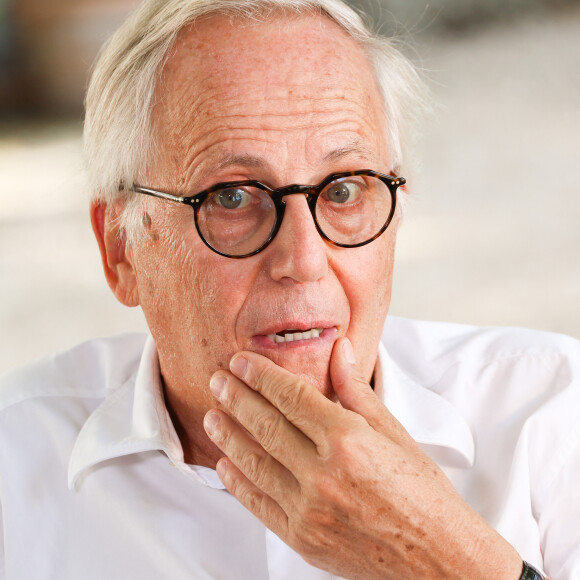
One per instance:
(238, 219)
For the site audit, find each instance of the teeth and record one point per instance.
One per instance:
(293, 336)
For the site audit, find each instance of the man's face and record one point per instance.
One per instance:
(287, 101)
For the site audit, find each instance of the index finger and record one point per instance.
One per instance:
(301, 403)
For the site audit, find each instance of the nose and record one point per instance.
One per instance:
(298, 252)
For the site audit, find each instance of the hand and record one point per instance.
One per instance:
(344, 485)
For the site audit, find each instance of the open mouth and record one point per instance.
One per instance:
(291, 335)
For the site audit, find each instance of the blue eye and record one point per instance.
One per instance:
(233, 198)
(342, 192)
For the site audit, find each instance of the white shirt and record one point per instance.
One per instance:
(93, 483)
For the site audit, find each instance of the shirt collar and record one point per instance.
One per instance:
(433, 422)
(133, 418)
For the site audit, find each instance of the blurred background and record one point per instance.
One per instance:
(492, 233)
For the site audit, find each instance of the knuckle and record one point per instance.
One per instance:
(359, 380)
(232, 399)
(292, 398)
(261, 477)
(287, 393)
(267, 430)
(251, 497)
(343, 445)
(251, 465)
(265, 378)
(223, 437)
(346, 445)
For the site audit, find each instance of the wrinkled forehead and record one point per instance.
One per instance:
(299, 40)
(287, 60)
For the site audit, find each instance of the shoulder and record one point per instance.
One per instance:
(88, 370)
(498, 378)
(427, 351)
(44, 405)
(518, 389)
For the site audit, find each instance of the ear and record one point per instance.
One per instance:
(115, 252)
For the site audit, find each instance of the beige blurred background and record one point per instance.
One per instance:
(492, 233)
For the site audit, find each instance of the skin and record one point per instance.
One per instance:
(327, 467)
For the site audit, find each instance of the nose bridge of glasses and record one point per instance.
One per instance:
(278, 195)
(294, 189)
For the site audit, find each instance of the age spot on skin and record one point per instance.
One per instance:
(147, 224)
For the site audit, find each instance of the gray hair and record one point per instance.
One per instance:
(118, 137)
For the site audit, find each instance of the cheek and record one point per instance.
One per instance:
(369, 279)
(171, 283)
(368, 286)
(192, 306)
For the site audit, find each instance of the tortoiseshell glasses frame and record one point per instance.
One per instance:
(276, 197)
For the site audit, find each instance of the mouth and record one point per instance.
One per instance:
(294, 335)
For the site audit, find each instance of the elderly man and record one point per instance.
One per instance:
(263, 430)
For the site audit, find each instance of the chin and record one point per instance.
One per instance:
(313, 370)
(320, 383)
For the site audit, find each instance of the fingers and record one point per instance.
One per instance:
(355, 393)
(299, 402)
(262, 469)
(253, 498)
(352, 389)
(275, 434)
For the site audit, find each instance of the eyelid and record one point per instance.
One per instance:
(227, 187)
(266, 184)
(350, 178)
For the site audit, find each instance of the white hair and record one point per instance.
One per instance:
(118, 136)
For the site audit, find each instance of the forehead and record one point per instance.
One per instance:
(234, 83)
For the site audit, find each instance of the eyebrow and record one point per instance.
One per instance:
(244, 160)
(257, 162)
(353, 148)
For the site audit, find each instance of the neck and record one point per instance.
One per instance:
(187, 418)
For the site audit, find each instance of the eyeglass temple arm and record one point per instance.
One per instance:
(163, 195)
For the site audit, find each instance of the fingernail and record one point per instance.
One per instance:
(221, 468)
(238, 366)
(216, 385)
(210, 422)
(348, 352)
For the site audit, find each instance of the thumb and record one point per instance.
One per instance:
(351, 387)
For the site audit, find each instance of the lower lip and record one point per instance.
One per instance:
(326, 336)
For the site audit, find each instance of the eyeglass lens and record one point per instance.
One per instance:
(239, 220)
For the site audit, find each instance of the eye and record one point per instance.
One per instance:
(233, 198)
(343, 192)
